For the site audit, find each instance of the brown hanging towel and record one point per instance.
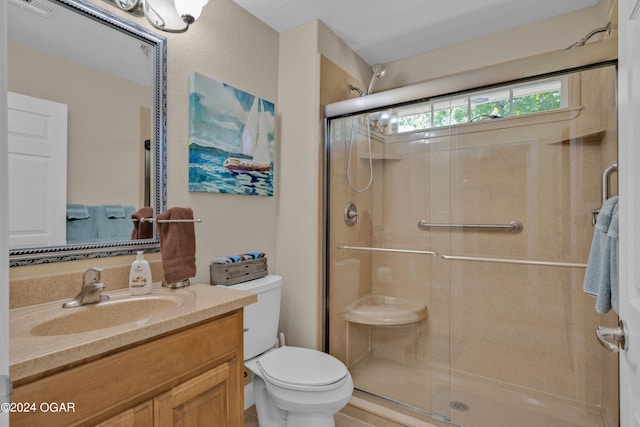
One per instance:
(177, 244)
(142, 229)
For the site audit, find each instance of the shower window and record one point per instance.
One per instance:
(508, 101)
(450, 112)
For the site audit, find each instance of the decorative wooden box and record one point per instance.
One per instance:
(238, 272)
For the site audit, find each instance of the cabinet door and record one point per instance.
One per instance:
(202, 401)
(140, 416)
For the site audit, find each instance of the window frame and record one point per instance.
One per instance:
(453, 103)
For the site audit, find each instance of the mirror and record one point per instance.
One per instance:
(87, 90)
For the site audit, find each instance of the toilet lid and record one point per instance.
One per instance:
(302, 366)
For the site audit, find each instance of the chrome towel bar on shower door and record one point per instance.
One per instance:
(513, 226)
(401, 251)
(469, 258)
(514, 261)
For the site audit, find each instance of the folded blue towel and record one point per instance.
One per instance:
(77, 211)
(226, 259)
(83, 230)
(601, 276)
(114, 228)
(253, 255)
(114, 211)
(237, 258)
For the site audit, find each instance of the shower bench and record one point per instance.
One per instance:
(381, 310)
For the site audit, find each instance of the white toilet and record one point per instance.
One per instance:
(292, 386)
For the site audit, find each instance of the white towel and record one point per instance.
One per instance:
(601, 277)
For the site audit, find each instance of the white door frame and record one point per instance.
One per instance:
(4, 220)
(629, 207)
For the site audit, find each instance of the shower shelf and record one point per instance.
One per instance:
(592, 136)
(380, 310)
(381, 156)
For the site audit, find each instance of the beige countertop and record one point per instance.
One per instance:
(36, 348)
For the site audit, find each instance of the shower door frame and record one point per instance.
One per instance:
(561, 62)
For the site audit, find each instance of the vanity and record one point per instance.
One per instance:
(172, 357)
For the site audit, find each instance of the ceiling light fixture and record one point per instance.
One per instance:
(190, 10)
(173, 16)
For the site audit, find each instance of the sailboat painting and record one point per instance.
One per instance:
(231, 139)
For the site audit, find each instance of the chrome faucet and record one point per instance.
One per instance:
(91, 291)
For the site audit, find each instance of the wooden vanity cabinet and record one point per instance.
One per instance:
(197, 402)
(140, 416)
(191, 378)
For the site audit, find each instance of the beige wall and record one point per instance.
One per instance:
(231, 46)
(102, 129)
(336, 51)
(297, 220)
(533, 39)
(301, 136)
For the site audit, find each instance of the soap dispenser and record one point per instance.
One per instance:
(140, 276)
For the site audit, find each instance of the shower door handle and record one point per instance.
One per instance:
(618, 334)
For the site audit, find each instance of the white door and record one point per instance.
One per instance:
(629, 207)
(38, 166)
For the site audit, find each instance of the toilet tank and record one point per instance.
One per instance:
(261, 318)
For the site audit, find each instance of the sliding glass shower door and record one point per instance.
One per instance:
(388, 322)
(458, 229)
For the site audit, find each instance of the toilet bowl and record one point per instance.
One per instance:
(299, 387)
(292, 386)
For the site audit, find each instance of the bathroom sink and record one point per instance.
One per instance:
(104, 315)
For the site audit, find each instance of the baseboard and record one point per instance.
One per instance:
(249, 397)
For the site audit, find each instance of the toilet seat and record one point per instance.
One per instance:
(298, 368)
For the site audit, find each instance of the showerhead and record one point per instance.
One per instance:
(378, 71)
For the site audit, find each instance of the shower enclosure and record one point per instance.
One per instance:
(458, 229)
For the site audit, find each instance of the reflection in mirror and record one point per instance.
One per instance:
(86, 132)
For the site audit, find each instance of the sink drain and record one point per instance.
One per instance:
(459, 406)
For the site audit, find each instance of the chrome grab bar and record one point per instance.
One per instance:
(604, 188)
(514, 261)
(513, 226)
(402, 251)
(613, 167)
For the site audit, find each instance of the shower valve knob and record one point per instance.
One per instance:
(350, 214)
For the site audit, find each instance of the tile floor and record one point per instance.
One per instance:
(342, 420)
